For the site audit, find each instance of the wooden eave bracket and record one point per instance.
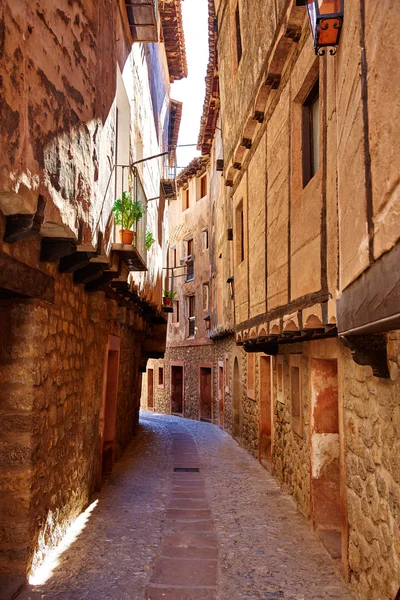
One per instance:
(20, 226)
(369, 350)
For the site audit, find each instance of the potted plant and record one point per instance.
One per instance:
(168, 297)
(124, 217)
(128, 212)
(149, 240)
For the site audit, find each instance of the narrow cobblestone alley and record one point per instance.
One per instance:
(225, 532)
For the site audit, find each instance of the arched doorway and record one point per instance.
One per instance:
(237, 400)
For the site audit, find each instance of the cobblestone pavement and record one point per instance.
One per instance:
(156, 534)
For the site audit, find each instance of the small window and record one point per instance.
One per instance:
(239, 49)
(227, 373)
(203, 186)
(173, 257)
(161, 376)
(175, 318)
(239, 233)
(295, 395)
(204, 239)
(250, 376)
(189, 261)
(185, 199)
(279, 378)
(206, 294)
(311, 131)
(192, 316)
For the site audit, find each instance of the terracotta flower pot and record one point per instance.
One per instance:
(127, 236)
(167, 301)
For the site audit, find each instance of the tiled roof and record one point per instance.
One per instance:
(174, 39)
(211, 103)
(195, 168)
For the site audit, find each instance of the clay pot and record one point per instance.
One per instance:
(167, 301)
(127, 236)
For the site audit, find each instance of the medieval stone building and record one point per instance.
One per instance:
(85, 107)
(303, 234)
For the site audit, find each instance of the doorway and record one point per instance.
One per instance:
(237, 400)
(176, 390)
(150, 389)
(221, 395)
(205, 404)
(108, 412)
(326, 508)
(265, 425)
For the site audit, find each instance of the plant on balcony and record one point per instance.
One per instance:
(168, 297)
(149, 240)
(128, 212)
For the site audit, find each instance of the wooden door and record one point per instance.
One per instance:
(221, 396)
(108, 412)
(150, 389)
(176, 390)
(265, 428)
(205, 394)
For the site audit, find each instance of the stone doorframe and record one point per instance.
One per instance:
(108, 411)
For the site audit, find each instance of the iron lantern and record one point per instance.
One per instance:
(326, 19)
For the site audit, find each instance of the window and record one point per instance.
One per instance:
(206, 294)
(279, 379)
(192, 316)
(311, 129)
(203, 186)
(173, 256)
(175, 318)
(185, 199)
(189, 261)
(250, 376)
(204, 239)
(239, 49)
(161, 376)
(295, 394)
(227, 374)
(239, 233)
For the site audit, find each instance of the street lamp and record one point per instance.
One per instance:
(326, 19)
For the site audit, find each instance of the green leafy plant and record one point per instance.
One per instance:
(128, 211)
(168, 294)
(149, 240)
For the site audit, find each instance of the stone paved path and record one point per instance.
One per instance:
(160, 532)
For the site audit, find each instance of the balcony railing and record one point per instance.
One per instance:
(190, 269)
(168, 177)
(192, 326)
(134, 255)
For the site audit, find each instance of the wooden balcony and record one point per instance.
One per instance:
(130, 256)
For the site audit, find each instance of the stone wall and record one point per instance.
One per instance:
(372, 425)
(51, 374)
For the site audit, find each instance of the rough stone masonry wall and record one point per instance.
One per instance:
(51, 385)
(372, 431)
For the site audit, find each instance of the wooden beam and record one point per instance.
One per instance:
(371, 304)
(22, 280)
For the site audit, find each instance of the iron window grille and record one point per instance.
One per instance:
(190, 269)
